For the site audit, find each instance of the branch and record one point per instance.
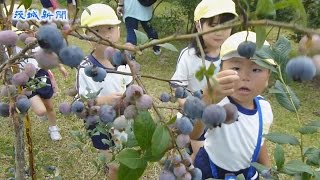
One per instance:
(19, 55)
(144, 76)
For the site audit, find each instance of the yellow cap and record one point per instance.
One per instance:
(100, 14)
(230, 45)
(210, 8)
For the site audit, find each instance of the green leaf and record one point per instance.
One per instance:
(26, 3)
(141, 37)
(125, 173)
(160, 140)
(279, 156)
(200, 73)
(298, 166)
(284, 97)
(259, 166)
(265, 9)
(264, 64)
(131, 158)
(88, 10)
(315, 123)
(261, 34)
(210, 70)
(148, 156)
(300, 11)
(313, 156)
(168, 46)
(132, 141)
(282, 46)
(296, 5)
(101, 129)
(172, 120)
(281, 138)
(308, 129)
(143, 129)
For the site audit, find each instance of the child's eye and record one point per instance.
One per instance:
(110, 28)
(235, 68)
(97, 30)
(257, 70)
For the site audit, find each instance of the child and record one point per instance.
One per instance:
(207, 14)
(232, 147)
(104, 21)
(133, 13)
(41, 99)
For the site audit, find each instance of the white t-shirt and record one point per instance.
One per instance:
(132, 8)
(188, 64)
(231, 146)
(112, 83)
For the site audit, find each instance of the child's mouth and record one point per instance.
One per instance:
(244, 89)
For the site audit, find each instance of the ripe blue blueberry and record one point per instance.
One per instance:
(71, 56)
(165, 97)
(246, 49)
(184, 125)
(180, 92)
(193, 107)
(50, 38)
(77, 107)
(107, 113)
(301, 68)
(213, 115)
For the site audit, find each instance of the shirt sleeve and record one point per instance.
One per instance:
(182, 71)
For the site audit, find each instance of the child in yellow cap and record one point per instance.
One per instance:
(232, 148)
(207, 14)
(104, 21)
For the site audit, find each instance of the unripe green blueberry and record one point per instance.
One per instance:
(120, 123)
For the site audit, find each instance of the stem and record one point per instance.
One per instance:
(30, 147)
(295, 110)
(204, 64)
(140, 83)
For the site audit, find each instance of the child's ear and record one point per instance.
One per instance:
(198, 26)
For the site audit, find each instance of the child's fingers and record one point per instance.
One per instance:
(228, 79)
(226, 73)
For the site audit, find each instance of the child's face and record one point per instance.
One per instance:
(215, 39)
(253, 79)
(110, 32)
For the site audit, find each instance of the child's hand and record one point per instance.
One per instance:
(63, 71)
(224, 86)
(110, 99)
(114, 98)
(226, 80)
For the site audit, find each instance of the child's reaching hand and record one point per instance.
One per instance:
(224, 86)
(63, 71)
